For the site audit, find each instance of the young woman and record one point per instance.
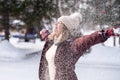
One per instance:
(64, 47)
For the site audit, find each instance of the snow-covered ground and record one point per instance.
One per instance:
(103, 63)
(20, 61)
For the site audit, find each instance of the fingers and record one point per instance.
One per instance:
(44, 34)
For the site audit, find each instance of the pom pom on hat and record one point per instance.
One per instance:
(72, 21)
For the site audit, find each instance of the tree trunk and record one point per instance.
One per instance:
(114, 41)
(119, 41)
(37, 27)
(6, 24)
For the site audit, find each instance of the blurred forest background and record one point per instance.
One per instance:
(30, 16)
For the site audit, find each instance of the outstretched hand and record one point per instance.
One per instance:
(113, 31)
(110, 32)
(44, 34)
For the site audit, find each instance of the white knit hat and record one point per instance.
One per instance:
(72, 21)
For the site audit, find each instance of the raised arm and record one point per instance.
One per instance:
(80, 45)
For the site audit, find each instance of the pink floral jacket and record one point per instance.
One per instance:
(67, 54)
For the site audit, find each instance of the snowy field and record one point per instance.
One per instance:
(20, 61)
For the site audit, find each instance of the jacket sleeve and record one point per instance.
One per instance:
(81, 44)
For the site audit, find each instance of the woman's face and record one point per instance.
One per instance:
(58, 28)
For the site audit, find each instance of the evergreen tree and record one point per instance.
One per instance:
(9, 8)
(30, 11)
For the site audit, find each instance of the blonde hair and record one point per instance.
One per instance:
(64, 35)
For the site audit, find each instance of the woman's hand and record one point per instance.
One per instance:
(44, 34)
(113, 32)
(110, 32)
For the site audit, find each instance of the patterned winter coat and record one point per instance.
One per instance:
(67, 54)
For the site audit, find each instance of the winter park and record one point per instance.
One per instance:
(88, 50)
